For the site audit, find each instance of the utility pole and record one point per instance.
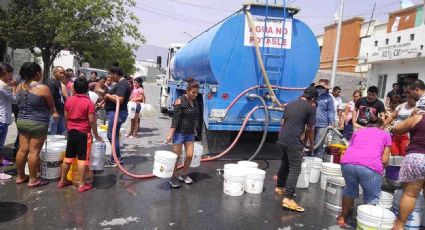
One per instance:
(338, 38)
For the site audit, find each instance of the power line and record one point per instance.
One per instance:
(200, 6)
(155, 12)
(174, 14)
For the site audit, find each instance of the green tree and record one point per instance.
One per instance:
(118, 52)
(49, 26)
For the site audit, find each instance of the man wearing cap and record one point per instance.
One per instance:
(299, 117)
(325, 114)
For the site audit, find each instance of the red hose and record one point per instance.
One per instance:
(114, 153)
(146, 176)
(234, 141)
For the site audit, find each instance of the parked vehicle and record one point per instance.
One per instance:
(225, 61)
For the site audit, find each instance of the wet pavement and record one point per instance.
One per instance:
(119, 202)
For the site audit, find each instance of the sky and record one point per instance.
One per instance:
(163, 22)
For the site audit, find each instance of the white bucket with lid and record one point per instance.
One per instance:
(248, 164)
(230, 166)
(198, 151)
(254, 180)
(234, 179)
(386, 200)
(164, 163)
(374, 217)
(304, 177)
(51, 161)
(415, 218)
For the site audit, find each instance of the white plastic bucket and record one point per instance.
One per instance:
(233, 184)
(198, 151)
(374, 217)
(386, 200)
(415, 217)
(309, 162)
(51, 161)
(248, 164)
(254, 180)
(304, 177)
(230, 166)
(164, 163)
(315, 170)
(329, 170)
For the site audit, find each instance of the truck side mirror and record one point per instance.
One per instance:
(158, 61)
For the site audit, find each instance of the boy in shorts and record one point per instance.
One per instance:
(81, 122)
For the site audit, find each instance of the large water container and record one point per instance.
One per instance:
(97, 155)
(224, 55)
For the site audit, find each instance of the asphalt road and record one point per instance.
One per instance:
(119, 202)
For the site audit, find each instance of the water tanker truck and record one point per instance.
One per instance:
(248, 66)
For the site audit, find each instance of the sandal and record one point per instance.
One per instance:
(279, 191)
(295, 207)
(64, 184)
(23, 181)
(38, 183)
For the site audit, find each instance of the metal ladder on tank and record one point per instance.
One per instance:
(265, 51)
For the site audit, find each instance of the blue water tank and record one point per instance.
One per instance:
(224, 56)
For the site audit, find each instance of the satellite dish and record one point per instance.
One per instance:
(406, 4)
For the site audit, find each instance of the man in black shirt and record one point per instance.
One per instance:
(299, 117)
(57, 126)
(123, 91)
(367, 107)
(391, 95)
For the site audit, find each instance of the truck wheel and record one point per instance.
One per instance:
(215, 142)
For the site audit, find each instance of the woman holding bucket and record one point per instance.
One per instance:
(363, 164)
(35, 104)
(412, 171)
(182, 132)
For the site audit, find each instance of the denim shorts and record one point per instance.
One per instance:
(3, 134)
(180, 138)
(370, 181)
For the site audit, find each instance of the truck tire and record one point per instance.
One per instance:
(215, 142)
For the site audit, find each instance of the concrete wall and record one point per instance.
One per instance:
(348, 82)
(348, 54)
(407, 19)
(393, 68)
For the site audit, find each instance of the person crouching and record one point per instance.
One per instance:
(363, 164)
(81, 122)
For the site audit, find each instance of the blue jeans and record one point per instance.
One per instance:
(180, 138)
(3, 133)
(122, 116)
(57, 127)
(318, 134)
(370, 181)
